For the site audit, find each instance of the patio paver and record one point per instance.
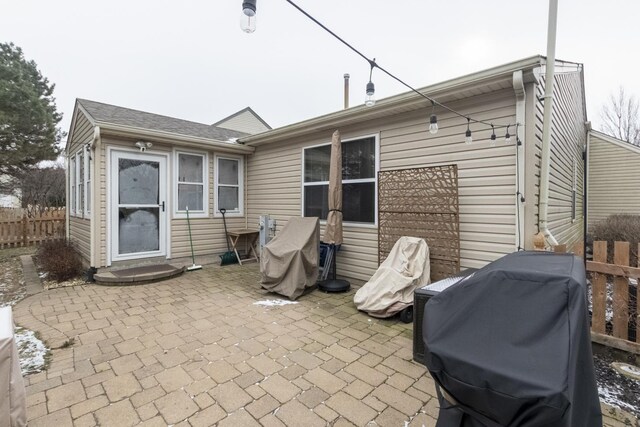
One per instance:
(196, 350)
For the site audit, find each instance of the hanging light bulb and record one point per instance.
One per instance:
(493, 137)
(433, 120)
(507, 136)
(248, 16)
(468, 139)
(370, 100)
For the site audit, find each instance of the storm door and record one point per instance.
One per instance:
(138, 210)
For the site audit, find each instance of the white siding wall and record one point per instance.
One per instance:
(568, 138)
(244, 122)
(80, 227)
(486, 178)
(614, 179)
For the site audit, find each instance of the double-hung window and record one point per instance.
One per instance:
(80, 181)
(87, 184)
(229, 184)
(72, 182)
(192, 184)
(359, 171)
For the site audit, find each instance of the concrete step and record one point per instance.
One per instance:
(135, 275)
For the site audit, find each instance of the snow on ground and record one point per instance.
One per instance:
(611, 394)
(31, 350)
(273, 302)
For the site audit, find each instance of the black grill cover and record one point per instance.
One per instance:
(511, 346)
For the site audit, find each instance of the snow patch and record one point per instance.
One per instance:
(31, 350)
(611, 394)
(274, 302)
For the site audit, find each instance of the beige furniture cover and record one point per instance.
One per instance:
(289, 262)
(13, 401)
(391, 288)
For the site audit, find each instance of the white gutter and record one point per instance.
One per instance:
(95, 219)
(521, 98)
(183, 140)
(546, 127)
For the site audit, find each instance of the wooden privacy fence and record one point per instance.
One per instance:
(27, 231)
(615, 290)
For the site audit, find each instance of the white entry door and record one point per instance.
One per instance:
(138, 205)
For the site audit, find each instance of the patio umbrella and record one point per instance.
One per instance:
(333, 229)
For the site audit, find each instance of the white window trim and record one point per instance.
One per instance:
(240, 212)
(204, 213)
(79, 208)
(87, 182)
(574, 193)
(376, 137)
(72, 185)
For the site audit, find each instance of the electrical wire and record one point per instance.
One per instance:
(374, 64)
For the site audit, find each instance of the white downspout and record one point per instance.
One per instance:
(546, 126)
(95, 196)
(521, 97)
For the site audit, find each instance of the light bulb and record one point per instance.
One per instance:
(248, 16)
(370, 99)
(492, 143)
(433, 124)
(507, 136)
(468, 139)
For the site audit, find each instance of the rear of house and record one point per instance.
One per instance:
(287, 174)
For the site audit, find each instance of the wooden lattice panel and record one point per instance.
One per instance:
(421, 202)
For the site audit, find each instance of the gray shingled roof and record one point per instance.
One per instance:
(125, 116)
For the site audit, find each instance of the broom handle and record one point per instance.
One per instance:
(226, 234)
(193, 257)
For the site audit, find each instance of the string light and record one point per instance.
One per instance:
(370, 99)
(248, 25)
(493, 136)
(507, 136)
(248, 16)
(433, 120)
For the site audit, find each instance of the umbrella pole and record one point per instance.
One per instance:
(333, 284)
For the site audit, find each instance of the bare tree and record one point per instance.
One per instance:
(41, 189)
(621, 117)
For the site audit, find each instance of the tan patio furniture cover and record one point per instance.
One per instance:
(13, 400)
(289, 262)
(391, 288)
(333, 229)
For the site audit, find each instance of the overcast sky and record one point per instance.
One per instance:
(189, 59)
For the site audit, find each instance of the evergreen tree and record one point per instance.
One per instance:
(28, 115)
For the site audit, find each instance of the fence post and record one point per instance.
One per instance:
(621, 293)
(24, 230)
(598, 290)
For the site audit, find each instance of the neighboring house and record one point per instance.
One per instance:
(9, 200)
(393, 134)
(267, 173)
(131, 176)
(245, 120)
(613, 177)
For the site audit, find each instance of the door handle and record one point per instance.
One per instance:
(162, 206)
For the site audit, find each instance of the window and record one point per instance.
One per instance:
(229, 184)
(72, 182)
(359, 171)
(80, 181)
(191, 184)
(87, 184)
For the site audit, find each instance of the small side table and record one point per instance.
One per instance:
(251, 239)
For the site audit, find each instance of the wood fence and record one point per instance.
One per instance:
(615, 292)
(27, 231)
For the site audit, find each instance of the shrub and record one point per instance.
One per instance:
(621, 228)
(59, 259)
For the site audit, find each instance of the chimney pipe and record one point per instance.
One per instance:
(346, 91)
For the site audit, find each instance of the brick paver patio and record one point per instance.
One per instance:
(196, 351)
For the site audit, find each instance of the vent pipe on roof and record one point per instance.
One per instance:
(545, 165)
(346, 91)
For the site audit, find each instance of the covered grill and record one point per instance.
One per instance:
(510, 345)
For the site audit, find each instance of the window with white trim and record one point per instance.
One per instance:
(87, 184)
(80, 182)
(72, 182)
(359, 174)
(191, 191)
(229, 184)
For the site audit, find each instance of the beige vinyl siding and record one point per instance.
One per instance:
(82, 132)
(244, 122)
(568, 138)
(486, 177)
(80, 234)
(614, 178)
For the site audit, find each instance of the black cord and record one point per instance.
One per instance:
(373, 64)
